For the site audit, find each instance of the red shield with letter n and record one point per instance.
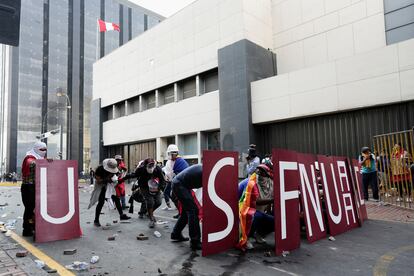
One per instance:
(57, 200)
(220, 202)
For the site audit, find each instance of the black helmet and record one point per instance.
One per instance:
(365, 149)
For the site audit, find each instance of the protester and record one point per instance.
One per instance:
(252, 160)
(38, 151)
(150, 182)
(173, 167)
(255, 202)
(91, 175)
(400, 168)
(182, 185)
(369, 172)
(120, 188)
(106, 179)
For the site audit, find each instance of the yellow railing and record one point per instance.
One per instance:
(394, 153)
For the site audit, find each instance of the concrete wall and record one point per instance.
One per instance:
(311, 32)
(180, 46)
(381, 76)
(188, 116)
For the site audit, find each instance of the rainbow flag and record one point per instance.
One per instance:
(247, 208)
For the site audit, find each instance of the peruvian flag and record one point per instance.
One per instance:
(107, 26)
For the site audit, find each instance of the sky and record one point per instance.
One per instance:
(165, 8)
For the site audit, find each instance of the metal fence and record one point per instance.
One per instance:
(394, 152)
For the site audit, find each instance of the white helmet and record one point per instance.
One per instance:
(172, 148)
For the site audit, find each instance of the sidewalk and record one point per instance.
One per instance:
(10, 265)
(388, 212)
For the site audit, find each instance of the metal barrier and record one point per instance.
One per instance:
(394, 153)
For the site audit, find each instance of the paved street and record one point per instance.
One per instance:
(376, 248)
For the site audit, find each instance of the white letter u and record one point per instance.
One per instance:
(43, 197)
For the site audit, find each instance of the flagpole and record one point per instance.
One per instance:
(97, 39)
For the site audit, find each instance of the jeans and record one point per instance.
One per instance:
(167, 192)
(189, 214)
(370, 179)
(263, 224)
(28, 198)
(101, 203)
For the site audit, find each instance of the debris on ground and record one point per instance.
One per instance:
(159, 270)
(125, 221)
(285, 253)
(21, 254)
(105, 228)
(51, 270)
(111, 238)
(142, 237)
(4, 215)
(332, 238)
(10, 224)
(108, 224)
(94, 259)
(157, 234)
(69, 251)
(40, 264)
(268, 254)
(4, 204)
(272, 261)
(115, 221)
(160, 222)
(78, 266)
(119, 231)
(8, 233)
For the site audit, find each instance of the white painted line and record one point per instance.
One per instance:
(275, 268)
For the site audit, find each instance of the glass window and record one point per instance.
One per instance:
(137, 23)
(213, 140)
(209, 81)
(111, 15)
(148, 100)
(166, 95)
(119, 110)
(187, 88)
(188, 144)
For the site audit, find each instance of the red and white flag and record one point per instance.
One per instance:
(107, 26)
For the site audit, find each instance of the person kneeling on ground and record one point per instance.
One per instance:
(182, 185)
(255, 201)
(104, 188)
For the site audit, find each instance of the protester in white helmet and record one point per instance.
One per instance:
(174, 166)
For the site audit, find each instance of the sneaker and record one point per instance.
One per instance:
(124, 217)
(259, 239)
(179, 238)
(131, 211)
(249, 245)
(141, 216)
(96, 223)
(196, 245)
(151, 224)
(27, 233)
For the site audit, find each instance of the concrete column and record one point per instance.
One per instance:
(157, 103)
(175, 92)
(158, 149)
(198, 85)
(140, 103)
(113, 112)
(199, 149)
(239, 64)
(126, 108)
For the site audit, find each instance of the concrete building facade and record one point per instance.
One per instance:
(313, 75)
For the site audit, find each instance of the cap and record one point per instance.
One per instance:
(266, 169)
(110, 165)
(118, 157)
(172, 148)
(364, 149)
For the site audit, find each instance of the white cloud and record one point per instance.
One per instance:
(163, 7)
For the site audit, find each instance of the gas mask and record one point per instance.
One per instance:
(114, 179)
(150, 168)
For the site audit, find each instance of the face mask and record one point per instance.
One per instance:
(114, 179)
(150, 170)
(42, 153)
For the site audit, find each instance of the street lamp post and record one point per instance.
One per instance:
(61, 93)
